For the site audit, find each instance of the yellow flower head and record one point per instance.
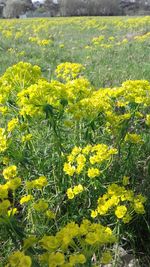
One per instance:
(10, 172)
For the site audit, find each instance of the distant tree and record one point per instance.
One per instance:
(52, 6)
(90, 7)
(14, 8)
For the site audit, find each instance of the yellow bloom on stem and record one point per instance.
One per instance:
(12, 124)
(70, 193)
(41, 205)
(56, 259)
(93, 172)
(10, 172)
(106, 257)
(68, 169)
(26, 199)
(78, 189)
(120, 211)
(19, 259)
(125, 180)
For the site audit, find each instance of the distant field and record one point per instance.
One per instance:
(112, 49)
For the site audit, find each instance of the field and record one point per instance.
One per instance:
(75, 142)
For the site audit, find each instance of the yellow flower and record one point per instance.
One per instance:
(10, 172)
(19, 259)
(94, 213)
(125, 180)
(28, 242)
(134, 138)
(50, 214)
(40, 182)
(13, 184)
(148, 119)
(93, 172)
(26, 138)
(68, 169)
(26, 199)
(4, 205)
(127, 218)
(49, 242)
(78, 189)
(69, 71)
(56, 259)
(70, 193)
(138, 207)
(3, 140)
(11, 212)
(106, 257)
(3, 191)
(77, 259)
(120, 211)
(12, 124)
(41, 205)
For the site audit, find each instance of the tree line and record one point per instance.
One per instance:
(14, 8)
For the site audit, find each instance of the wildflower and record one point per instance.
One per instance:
(12, 124)
(40, 182)
(125, 180)
(68, 169)
(12, 212)
(3, 191)
(19, 259)
(28, 242)
(41, 205)
(138, 207)
(50, 214)
(4, 205)
(3, 140)
(134, 138)
(77, 259)
(56, 259)
(94, 213)
(26, 199)
(148, 119)
(70, 193)
(26, 138)
(120, 211)
(10, 172)
(13, 184)
(127, 218)
(106, 257)
(78, 189)
(93, 172)
(49, 242)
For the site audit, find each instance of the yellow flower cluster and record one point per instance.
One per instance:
(38, 183)
(123, 201)
(87, 234)
(19, 259)
(84, 159)
(40, 42)
(12, 124)
(34, 100)
(3, 140)
(133, 138)
(116, 104)
(103, 42)
(72, 192)
(69, 71)
(12, 184)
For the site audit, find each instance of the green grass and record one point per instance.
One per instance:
(104, 66)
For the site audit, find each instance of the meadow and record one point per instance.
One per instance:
(74, 141)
